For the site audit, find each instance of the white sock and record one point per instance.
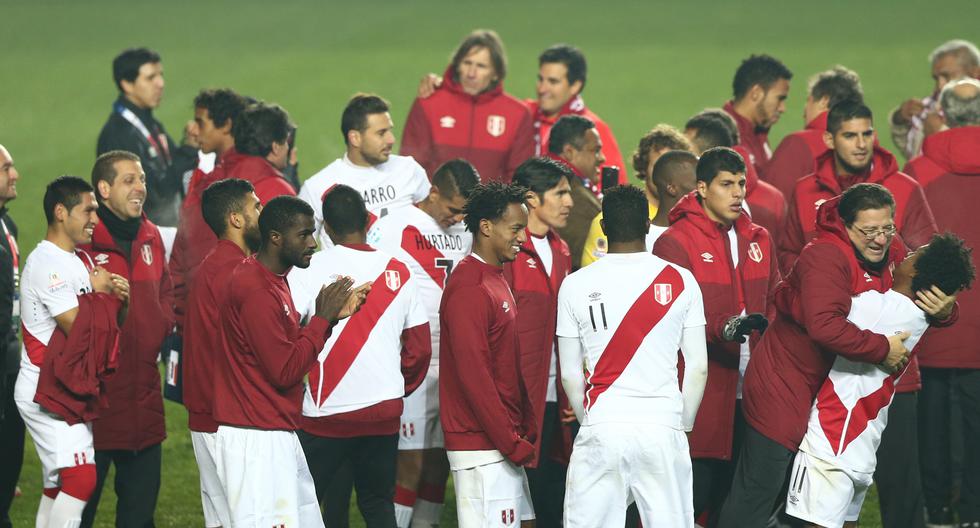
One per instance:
(43, 511)
(403, 515)
(66, 512)
(427, 514)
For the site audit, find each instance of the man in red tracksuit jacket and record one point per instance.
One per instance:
(262, 162)
(949, 172)
(760, 89)
(853, 252)
(735, 266)
(487, 415)
(535, 277)
(796, 155)
(470, 116)
(129, 432)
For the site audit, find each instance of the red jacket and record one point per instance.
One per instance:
(699, 244)
(258, 377)
(492, 130)
(266, 179)
(134, 418)
(796, 155)
(767, 207)
(949, 172)
(202, 332)
(536, 294)
(755, 140)
(576, 106)
(484, 399)
(72, 380)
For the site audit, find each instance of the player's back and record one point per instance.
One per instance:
(630, 310)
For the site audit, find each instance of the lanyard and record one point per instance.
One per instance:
(12, 242)
(155, 145)
(15, 256)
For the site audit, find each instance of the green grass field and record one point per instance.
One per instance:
(650, 62)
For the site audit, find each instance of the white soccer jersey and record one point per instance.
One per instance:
(52, 281)
(430, 251)
(360, 364)
(398, 182)
(629, 310)
(851, 409)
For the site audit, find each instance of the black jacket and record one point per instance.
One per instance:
(9, 325)
(164, 167)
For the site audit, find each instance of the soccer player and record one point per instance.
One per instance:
(55, 276)
(431, 240)
(261, 134)
(258, 382)
(385, 181)
(231, 210)
(470, 116)
(486, 414)
(623, 319)
(673, 176)
(833, 468)
(353, 400)
(760, 89)
(733, 261)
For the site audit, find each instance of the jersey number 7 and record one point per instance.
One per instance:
(446, 264)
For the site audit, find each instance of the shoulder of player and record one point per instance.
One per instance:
(325, 175)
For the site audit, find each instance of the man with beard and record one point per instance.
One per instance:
(231, 209)
(760, 89)
(486, 414)
(11, 424)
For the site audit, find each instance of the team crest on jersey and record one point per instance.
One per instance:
(408, 430)
(755, 252)
(507, 516)
(707, 257)
(393, 280)
(55, 282)
(147, 253)
(101, 259)
(662, 293)
(447, 121)
(496, 125)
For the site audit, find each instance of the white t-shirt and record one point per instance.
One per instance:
(398, 182)
(743, 349)
(52, 281)
(851, 409)
(360, 364)
(543, 248)
(629, 311)
(430, 251)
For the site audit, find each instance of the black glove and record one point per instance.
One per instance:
(742, 325)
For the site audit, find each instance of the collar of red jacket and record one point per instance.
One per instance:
(256, 167)
(818, 123)
(451, 84)
(565, 162)
(745, 127)
(751, 176)
(102, 239)
(883, 165)
(528, 245)
(231, 156)
(956, 150)
(689, 208)
(575, 105)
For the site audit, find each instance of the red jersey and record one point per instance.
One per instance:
(796, 155)
(755, 140)
(492, 130)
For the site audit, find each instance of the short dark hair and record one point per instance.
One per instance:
(568, 130)
(456, 177)
(281, 213)
(862, 197)
(489, 201)
(669, 164)
(539, 175)
(358, 109)
(845, 111)
(222, 104)
(571, 57)
(65, 190)
(105, 166)
(659, 137)
(344, 210)
(946, 263)
(763, 70)
(222, 198)
(836, 84)
(259, 126)
(625, 213)
(487, 39)
(714, 128)
(126, 66)
(718, 159)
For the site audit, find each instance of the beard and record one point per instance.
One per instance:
(853, 169)
(253, 239)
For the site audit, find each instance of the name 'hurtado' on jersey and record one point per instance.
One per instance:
(440, 241)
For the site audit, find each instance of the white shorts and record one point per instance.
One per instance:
(58, 444)
(213, 499)
(614, 464)
(494, 494)
(265, 478)
(824, 494)
(420, 426)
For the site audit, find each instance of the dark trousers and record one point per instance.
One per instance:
(759, 475)
(137, 485)
(11, 446)
(713, 477)
(547, 481)
(373, 461)
(935, 420)
(897, 472)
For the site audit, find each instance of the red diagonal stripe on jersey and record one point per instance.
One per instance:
(832, 413)
(352, 338)
(645, 313)
(35, 348)
(424, 253)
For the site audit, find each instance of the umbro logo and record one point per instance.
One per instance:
(505, 306)
(867, 278)
(707, 257)
(447, 121)
(532, 264)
